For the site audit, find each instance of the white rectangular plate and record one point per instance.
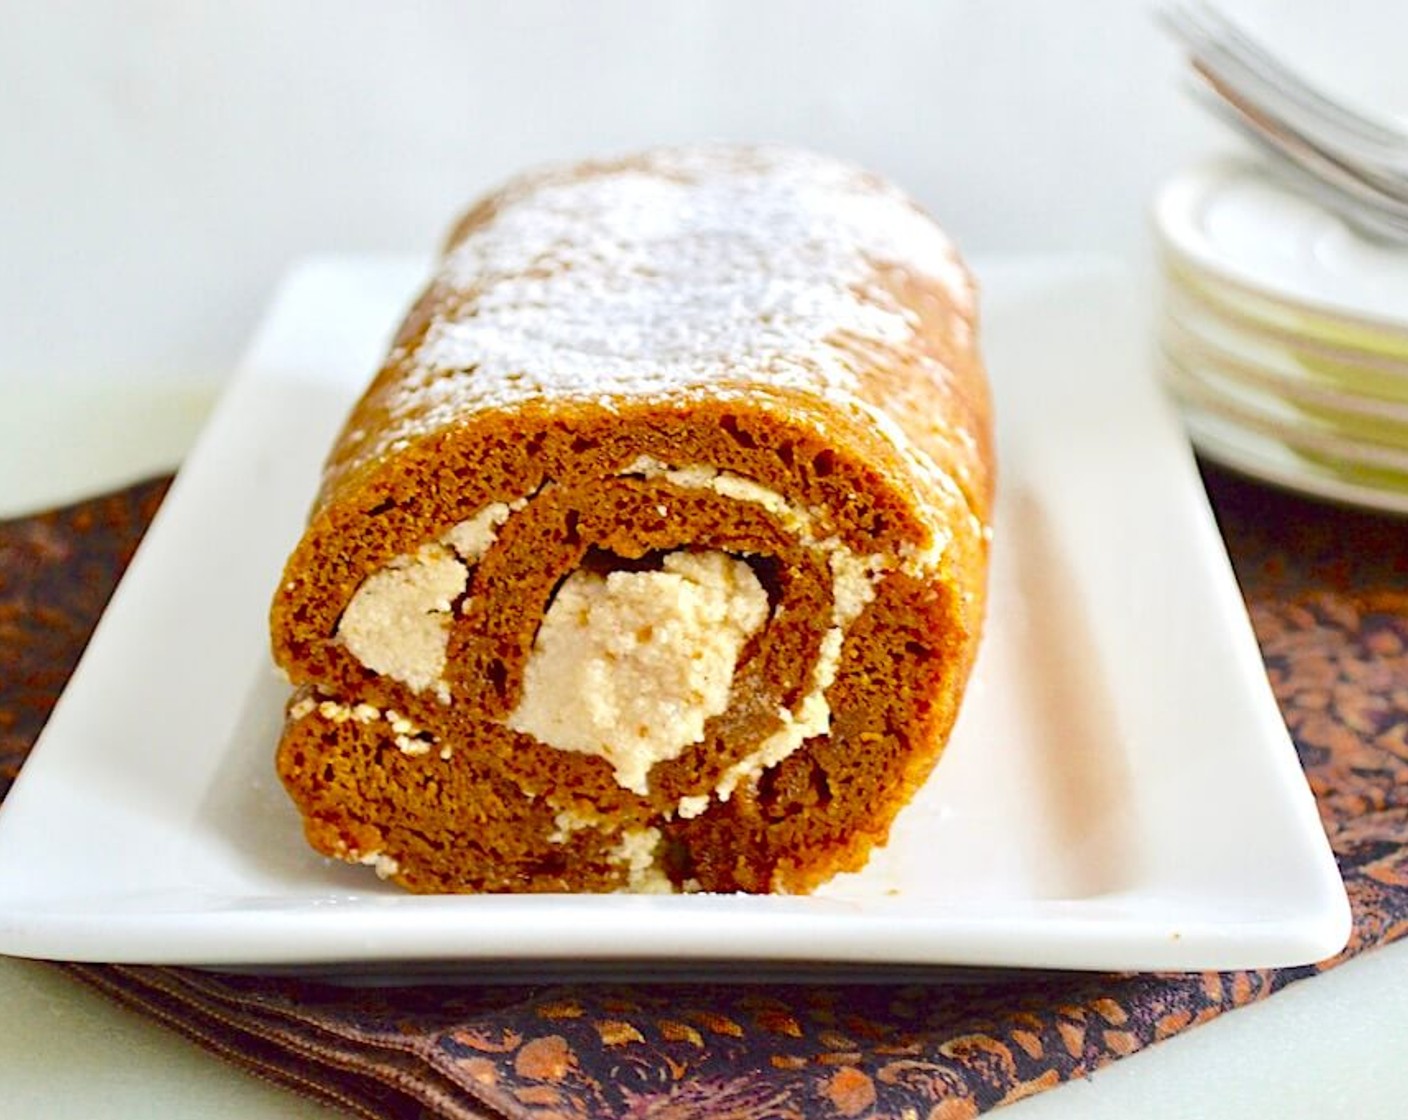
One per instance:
(1120, 793)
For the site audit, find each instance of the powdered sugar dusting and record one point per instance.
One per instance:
(667, 274)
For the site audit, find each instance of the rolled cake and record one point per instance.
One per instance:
(654, 558)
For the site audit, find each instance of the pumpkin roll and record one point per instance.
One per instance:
(654, 558)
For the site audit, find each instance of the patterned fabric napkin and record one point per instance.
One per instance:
(1328, 594)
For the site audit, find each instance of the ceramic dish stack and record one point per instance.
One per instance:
(1284, 336)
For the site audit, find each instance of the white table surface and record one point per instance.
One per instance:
(1332, 1047)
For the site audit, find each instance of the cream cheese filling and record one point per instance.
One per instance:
(629, 666)
(409, 738)
(398, 621)
(635, 854)
(384, 865)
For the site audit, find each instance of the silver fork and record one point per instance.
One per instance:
(1355, 165)
(1282, 90)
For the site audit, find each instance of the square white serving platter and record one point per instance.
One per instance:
(1120, 792)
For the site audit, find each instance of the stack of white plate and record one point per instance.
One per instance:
(1284, 336)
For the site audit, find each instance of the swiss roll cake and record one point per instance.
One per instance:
(654, 558)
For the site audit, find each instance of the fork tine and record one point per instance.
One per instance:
(1389, 192)
(1212, 54)
(1285, 104)
(1238, 43)
(1241, 63)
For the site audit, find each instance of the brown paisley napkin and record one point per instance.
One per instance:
(1328, 594)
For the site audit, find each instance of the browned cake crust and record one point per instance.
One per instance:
(655, 556)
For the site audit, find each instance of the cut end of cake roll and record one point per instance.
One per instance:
(655, 557)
